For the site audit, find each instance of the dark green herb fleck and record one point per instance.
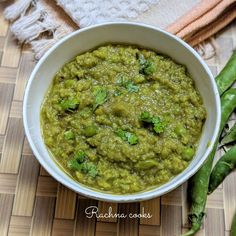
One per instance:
(80, 163)
(127, 136)
(150, 68)
(89, 168)
(158, 124)
(73, 164)
(147, 67)
(117, 92)
(131, 87)
(100, 96)
(128, 84)
(80, 156)
(146, 117)
(69, 104)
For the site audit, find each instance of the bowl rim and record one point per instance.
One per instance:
(109, 196)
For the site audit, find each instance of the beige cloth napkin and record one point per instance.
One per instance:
(207, 18)
(192, 20)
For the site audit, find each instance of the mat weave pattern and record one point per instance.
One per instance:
(33, 203)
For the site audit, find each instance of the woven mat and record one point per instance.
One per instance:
(33, 203)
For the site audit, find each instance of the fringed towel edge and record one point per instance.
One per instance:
(30, 20)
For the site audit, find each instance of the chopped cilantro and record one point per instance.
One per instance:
(159, 127)
(127, 136)
(100, 96)
(69, 104)
(128, 84)
(146, 117)
(131, 87)
(158, 124)
(117, 92)
(150, 68)
(80, 156)
(80, 163)
(142, 60)
(121, 134)
(131, 138)
(147, 67)
(89, 168)
(73, 164)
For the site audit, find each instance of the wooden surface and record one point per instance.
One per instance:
(33, 203)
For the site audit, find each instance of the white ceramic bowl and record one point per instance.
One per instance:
(129, 33)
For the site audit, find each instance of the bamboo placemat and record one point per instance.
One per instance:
(33, 203)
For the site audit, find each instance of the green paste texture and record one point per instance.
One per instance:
(122, 119)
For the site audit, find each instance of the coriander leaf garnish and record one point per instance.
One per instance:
(117, 92)
(159, 127)
(80, 156)
(147, 67)
(80, 163)
(131, 87)
(157, 123)
(142, 61)
(146, 117)
(70, 104)
(150, 68)
(131, 138)
(127, 136)
(100, 96)
(121, 134)
(89, 168)
(128, 84)
(73, 164)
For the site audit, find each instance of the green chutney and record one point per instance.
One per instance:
(122, 119)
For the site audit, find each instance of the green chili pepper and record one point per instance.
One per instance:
(230, 136)
(198, 184)
(223, 167)
(228, 75)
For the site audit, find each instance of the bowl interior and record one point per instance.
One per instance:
(127, 33)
